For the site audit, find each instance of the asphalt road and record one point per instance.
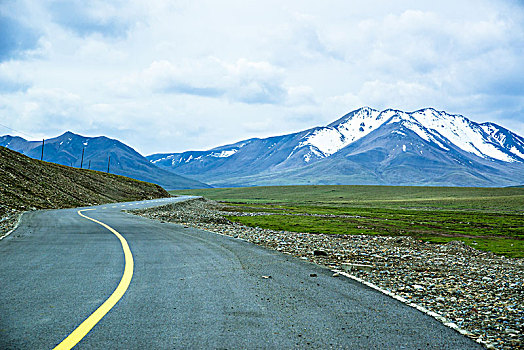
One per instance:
(189, 289)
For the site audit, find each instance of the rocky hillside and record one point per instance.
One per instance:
(67, 149)
(28, 184)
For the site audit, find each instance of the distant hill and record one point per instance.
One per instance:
(66, 149)
(26, 183)
(366, 146)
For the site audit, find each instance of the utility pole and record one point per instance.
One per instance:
(42, 156)
(89, 166)
(108, 161)
(82, 161)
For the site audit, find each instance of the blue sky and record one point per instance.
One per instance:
(166, 76)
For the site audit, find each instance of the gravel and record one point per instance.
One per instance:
(480, 292)
(8, 219)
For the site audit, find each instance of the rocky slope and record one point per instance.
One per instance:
(29, 184)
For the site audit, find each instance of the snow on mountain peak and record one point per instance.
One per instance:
(225, 153)
(463, 133)
(339, 134)
(418, 128)
(434, 126)
(505, 138)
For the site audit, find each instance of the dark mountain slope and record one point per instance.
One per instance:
(239, 159)
(397, 155)
(66, 149)
(392, 155)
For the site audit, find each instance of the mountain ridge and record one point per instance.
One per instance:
(66, 149)
(470, 153)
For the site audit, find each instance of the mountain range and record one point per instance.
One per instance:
(66, 149)
(365, 146)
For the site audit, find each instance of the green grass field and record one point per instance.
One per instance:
(486, 218)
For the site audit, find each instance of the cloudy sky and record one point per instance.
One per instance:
(166, 76)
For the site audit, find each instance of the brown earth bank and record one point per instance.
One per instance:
(481, 292)
(29, 184)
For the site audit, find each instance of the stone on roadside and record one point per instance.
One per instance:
(418, 287)
(356, 267)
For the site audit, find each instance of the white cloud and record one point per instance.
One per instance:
(178, 75)
(241, 81)
(13, 79)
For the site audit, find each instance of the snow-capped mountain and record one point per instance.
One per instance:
(484, 140)
(467, 153)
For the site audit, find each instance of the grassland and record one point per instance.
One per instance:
(489, 219)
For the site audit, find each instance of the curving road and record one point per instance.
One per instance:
(189, 289)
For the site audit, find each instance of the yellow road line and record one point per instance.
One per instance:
(86, 326)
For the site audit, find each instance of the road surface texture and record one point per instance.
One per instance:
(189, 289)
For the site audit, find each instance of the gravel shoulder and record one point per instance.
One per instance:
(480, 292)
(8, 219)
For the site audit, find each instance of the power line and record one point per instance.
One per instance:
(23, 133)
